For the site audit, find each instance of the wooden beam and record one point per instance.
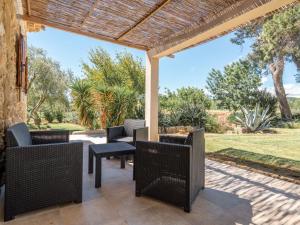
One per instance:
(145, 18)
(217, 27)
(28, 7)
(89, 13)
(78, 31)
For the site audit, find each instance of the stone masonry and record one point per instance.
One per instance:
(12, 101)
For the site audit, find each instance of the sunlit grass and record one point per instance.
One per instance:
(59, 126)
(281, 148)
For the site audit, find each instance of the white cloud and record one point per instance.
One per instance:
(292, 90)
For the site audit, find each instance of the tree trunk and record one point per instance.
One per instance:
(276, 69)
(36, 107)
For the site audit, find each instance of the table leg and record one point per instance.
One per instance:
(98, 172)
(133, 167)
(123, 161)
(91, 161)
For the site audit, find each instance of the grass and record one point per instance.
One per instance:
(59, 126)
(280, 149)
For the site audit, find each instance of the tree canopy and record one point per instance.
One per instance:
(276, 39)
(236, 86)
(48, 83)
(116, 86)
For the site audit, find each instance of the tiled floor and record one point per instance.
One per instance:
(232, 196)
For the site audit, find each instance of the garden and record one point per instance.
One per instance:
(244, 123)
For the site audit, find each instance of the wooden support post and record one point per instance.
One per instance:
(151, 97)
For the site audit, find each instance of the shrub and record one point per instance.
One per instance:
(139, 108)
(37, 119)
(296, 117)
(184, 107)
(49, 116)
(232, 118)
(266, 99)
(83, 103)
(212, 125)
(71, 117)
(59, 116)
(255, 120)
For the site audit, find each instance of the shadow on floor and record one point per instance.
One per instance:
(222, 207)
(266, 163)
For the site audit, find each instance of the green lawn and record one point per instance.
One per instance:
(278, 149)
(59, 126)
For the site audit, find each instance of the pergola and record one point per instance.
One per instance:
(159, 27)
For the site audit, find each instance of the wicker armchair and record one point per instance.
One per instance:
(171, 170)
(42, 169)
(131, 131)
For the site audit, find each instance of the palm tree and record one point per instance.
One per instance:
(83, 102)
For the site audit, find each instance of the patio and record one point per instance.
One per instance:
(231, 196)
(160, 28)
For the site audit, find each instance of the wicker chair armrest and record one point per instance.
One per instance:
(140, 134)
(172, 139)
(43, 150)
(113, 132)
(49, 136)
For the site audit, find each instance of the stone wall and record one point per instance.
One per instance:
(12, 101)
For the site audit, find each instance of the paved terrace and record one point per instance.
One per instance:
(232, 196)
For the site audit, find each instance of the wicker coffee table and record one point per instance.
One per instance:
(120, 149)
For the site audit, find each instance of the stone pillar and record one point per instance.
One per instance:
(151, 97)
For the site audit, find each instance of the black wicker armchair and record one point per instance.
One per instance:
(42, 169)
(171, 170)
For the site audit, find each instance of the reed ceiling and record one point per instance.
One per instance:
(142, 24)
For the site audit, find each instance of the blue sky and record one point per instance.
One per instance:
(188, 68)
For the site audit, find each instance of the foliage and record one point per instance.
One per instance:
(276, 39)
(289, 125)
(139, 108)
(71, 117)
(232, 117)
(37, 119)
(236, 87)
(114, 103)
(59, 116)
(116, 87)
(48, 83)
(57, 126)
(184, 107)
(255, 120)
(273, 36)
(83, 102)
(212, 125)
(49, 116)
(295, 105)
(265, 99)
